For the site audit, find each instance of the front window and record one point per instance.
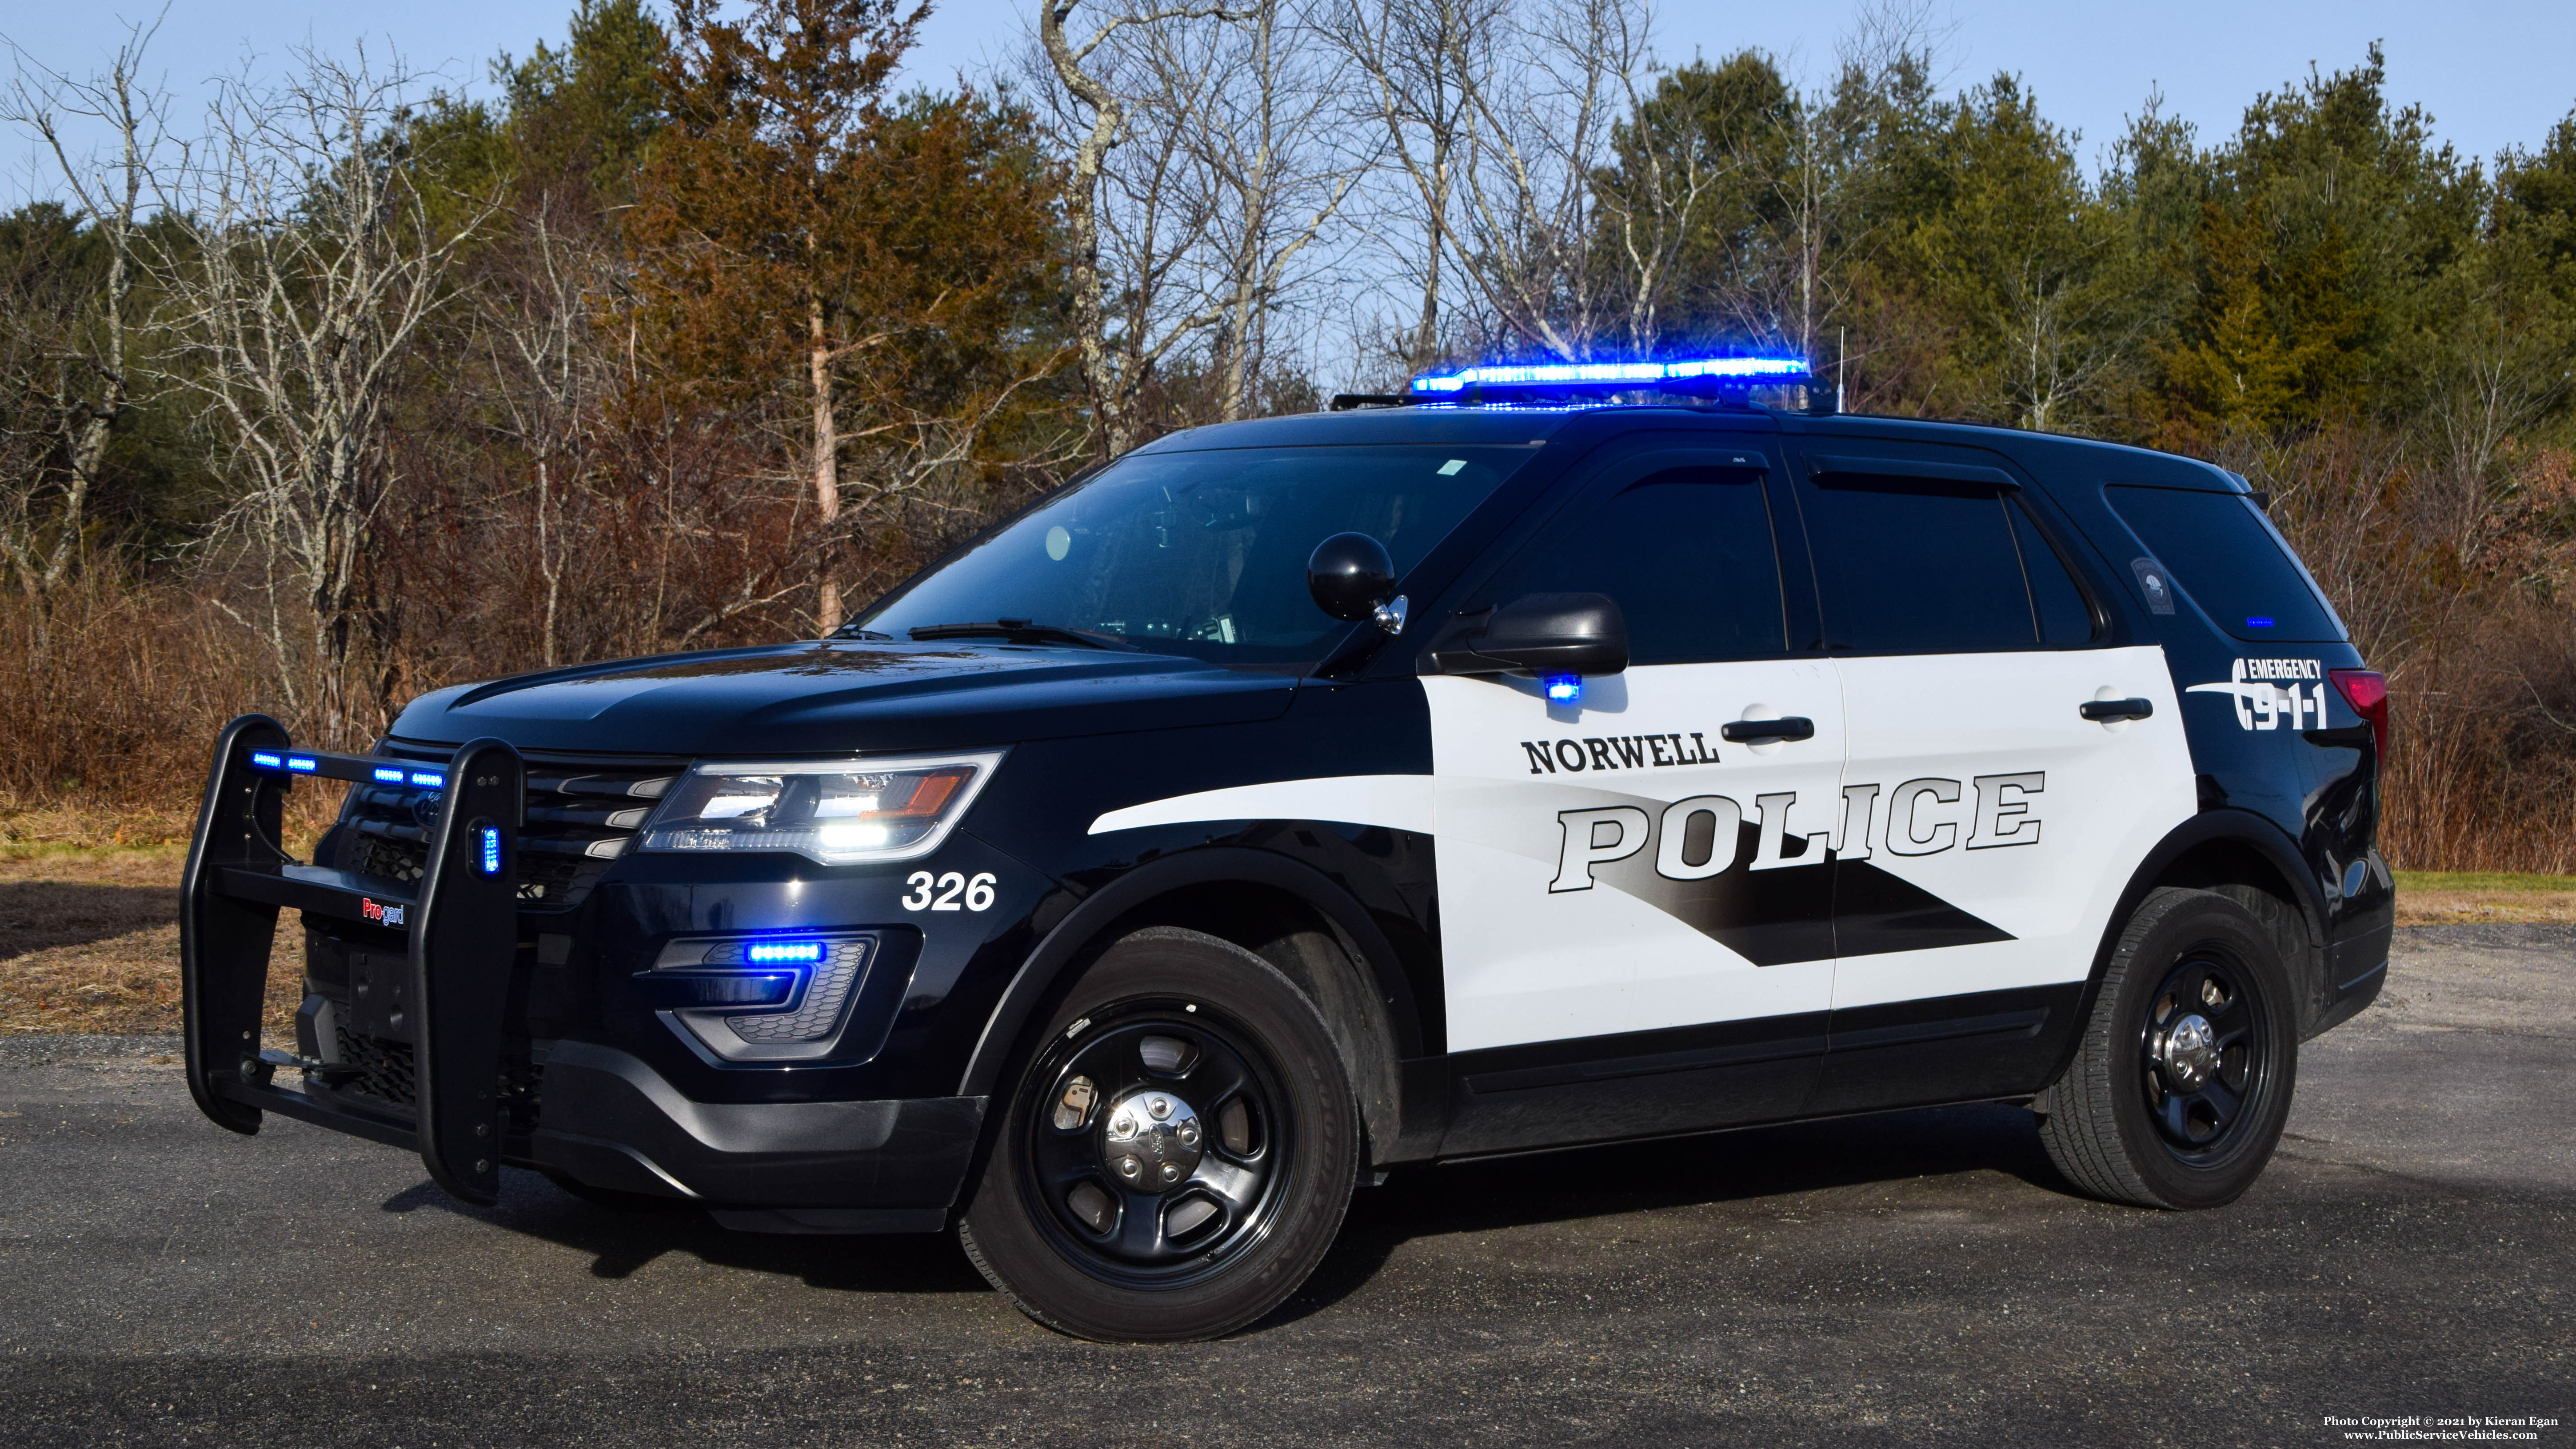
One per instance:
(1202, 553)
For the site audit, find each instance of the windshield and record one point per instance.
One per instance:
(1202, 553)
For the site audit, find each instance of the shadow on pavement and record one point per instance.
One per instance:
(37, 914)
(624, 1235)
(1673, 1172)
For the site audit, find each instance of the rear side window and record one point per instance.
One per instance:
(1936, 566)
(1688, 555)
(2064, 617)
(2225, 555)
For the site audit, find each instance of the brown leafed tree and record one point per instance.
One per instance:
(798, 233)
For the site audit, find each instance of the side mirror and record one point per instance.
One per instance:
(1547, 635)
(1352, 577)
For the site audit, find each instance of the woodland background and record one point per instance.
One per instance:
(346, 387)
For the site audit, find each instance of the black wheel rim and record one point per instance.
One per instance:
(2207, 1051)
(1129, 1211)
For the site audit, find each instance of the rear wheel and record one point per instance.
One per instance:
(1177, 1153)
(2179, 1091)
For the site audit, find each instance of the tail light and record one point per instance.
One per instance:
(2366, 690)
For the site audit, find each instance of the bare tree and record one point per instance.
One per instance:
(1254, 99)
(1543, 115)
(2502, 371)
(1132, 224)
(537, 322)
(1649, 215)
(82, 379)
(1422, 62)
(310, 264)
(1823, 168)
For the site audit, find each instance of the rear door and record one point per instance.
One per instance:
(1632, 907)
(1993, 826)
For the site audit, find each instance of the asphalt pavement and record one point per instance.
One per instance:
(1913, 1278)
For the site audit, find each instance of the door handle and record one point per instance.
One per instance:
(2104, 711)
(1763, 731)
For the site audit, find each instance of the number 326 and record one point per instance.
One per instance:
(950, 892)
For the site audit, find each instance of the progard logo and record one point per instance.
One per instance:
(2270, 692)
(388, 913)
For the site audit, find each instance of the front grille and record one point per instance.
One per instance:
(583, 811)
(383, 1067)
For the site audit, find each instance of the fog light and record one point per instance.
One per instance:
(806, 984)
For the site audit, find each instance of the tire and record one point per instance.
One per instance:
(2181, 1084)
(1176, 1152)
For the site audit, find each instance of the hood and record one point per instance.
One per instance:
(835, 696)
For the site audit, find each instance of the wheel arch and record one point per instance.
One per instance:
(1288, 913)
(2235, 852)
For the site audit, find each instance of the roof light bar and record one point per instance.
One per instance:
(1697, 374)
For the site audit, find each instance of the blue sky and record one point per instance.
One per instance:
(2493, 75)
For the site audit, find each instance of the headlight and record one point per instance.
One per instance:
(837, 812)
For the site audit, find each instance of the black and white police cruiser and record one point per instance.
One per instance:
(1517, 766)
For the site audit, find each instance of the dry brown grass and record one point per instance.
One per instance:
(2458, 898)
(89, 942)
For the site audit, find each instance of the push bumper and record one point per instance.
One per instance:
(461, 927)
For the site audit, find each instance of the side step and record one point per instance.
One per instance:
(462, 921)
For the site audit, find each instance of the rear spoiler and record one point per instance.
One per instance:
(461, 920)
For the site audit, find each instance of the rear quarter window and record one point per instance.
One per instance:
(2226, 556)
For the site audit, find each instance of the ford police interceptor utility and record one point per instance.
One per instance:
(1558, 755)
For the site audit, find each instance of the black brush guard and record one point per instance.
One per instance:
(461, 921)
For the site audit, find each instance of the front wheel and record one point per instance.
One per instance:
(2179, 1090)
(1177, 1153)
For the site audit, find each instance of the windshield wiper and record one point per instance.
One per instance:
(1021, 631)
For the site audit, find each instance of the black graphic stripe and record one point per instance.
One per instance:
(1803, 911)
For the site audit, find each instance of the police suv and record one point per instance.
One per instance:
(1555, 756)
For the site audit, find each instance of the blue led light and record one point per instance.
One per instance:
(765, 952)
(268, 760)
(1705, 371)
(429, 779)
(1565, 689)
(2258, 623)
(305, 763)
(491, 849)
(385, 775)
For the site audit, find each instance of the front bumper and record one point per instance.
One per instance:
(611, 1121)
(462, 1094)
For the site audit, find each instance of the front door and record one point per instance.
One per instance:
(1630, 901)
